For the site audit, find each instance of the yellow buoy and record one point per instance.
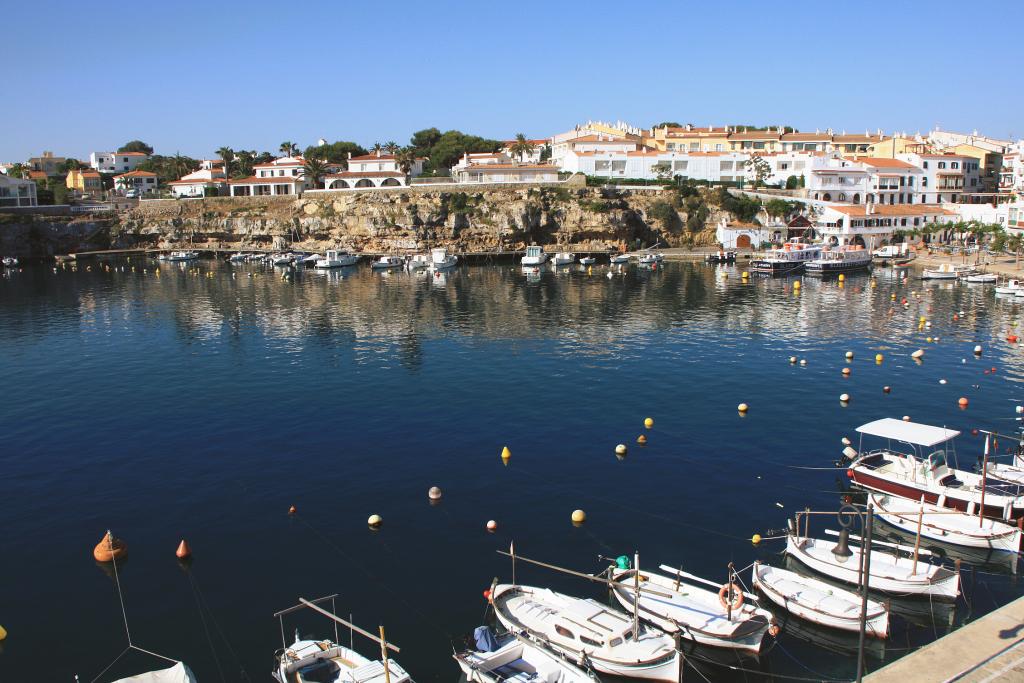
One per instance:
(649, 422)
(374, 521)
(506, 454)
(796, 285)
(3, 633)
(579, 516)
(743, 407)
(879, 358)
(842, 278)
(755, 539)
(744, 274)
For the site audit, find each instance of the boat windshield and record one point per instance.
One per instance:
(937, 459)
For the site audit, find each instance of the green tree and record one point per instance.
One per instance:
(288, 148)
(423, 140)
(778, 208)
(792, 182)
(759, 170)
(453, 144)
(391, 147)
(314, 170)
(667, 124)
(335, 152)
(135, 146)
(245, 160)
(522, 147)
(17, 170)
(377, 147)
(802, 182)
(227, 155)
(405, 158)
(666, 214)
(70, 165)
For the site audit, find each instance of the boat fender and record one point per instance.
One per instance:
(773, 629)
(723, 593)
(849, 452)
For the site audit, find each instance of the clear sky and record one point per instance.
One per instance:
(189, 76)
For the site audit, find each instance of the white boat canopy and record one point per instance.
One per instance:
(179, 673)
(908, 432)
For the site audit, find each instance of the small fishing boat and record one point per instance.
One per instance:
(515, 657)
(651, 258)
(842, 259)
(388, 262)
(721, 256)
(238, 258)
(788, 259)
(982, 278)
(889, 573)
(819, 602)
(324, 661)
(180, 256)
(418, 262)
(943, 524)
(10, 262)
(440, 259)
(1011, 286)
(281, 259)
(618, 259)
(587, 260)
(930, 478)
(563, 258)
(535, 256)
(945, 271)
(336, 258)
(584, 629)
(677, 604)
(179, 673)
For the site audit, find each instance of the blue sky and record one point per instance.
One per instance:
(191, 76)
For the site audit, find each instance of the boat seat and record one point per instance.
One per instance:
(323, 671)
(950, 481)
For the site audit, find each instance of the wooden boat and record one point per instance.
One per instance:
(535, 256)
(679, 605)
(587, 260)
(324, 661)
(179, 673)
(889, 573)
(916, 476)
(336, 258)
(585, 630)
(440, 259)
(948, 526)
(820, 602)
(1011, 287)
(982, 278)
(515, 657)
(945, 271)
(388, 262)
(618, 259)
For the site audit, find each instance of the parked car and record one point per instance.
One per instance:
(131, 194)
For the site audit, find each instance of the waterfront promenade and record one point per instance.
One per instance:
(989, 649)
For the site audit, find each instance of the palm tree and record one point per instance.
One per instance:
(391, 147)
(314, 170)
(522, 147)
(227, 155)
(288, 148)
(376, 147)
(405, 158)
(245, 160)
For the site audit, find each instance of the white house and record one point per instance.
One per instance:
(871, 224)
(140, 181)
(372, 170)
(739, 235)
(649, 164)
(278, 177)
(116, 162)
(946, 177)
(17, 192)
(194, 184)
(531, 158)
(603, 143)
(498, 168)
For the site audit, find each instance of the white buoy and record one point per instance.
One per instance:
(845, 398)
(977, 350)
(917, 354)
(850, 453)
(942, 381)
(846, 442)
(803, 361)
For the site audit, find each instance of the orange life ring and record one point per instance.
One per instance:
(723, 592)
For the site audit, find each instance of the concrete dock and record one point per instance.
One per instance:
(989, 649)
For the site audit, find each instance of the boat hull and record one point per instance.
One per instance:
(943, 528)
(816, 268)
(777, 267)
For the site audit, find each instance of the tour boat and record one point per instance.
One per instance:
(929, 478)
(336, 258)
(651, 258)
(1012, 286)
(324, 661)
(820, 602)
(535, 256)
(943, 524)
(983, 278)
(677, 604)
(418, 262)
(843, 259)
(584, 629)
(440, 259)
(618, 259)
(945, 271)
(788, 259)
(180, 256)
(888, 573)
(515, 657)
(10, 261)
(587, 260)
(179, 673)
(388, 262)
(721, 257)
(563, 258)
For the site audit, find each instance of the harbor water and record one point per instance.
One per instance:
(202, 402)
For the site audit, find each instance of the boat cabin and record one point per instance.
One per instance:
(588, 623)
(910, 447)
(534, 251)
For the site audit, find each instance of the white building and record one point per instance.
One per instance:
(531, 158)
(857, 180)
(116, 162)
(947, 138)
(1011, 176)
(606, 143)
(140, 181)
(871, 225)
(499, 168)
(738, 235)
(946, 177)
(278, 177)
(194, 184)
(17, 192)
(372, 170)
(651, 165)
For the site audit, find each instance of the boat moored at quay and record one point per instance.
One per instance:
(843, 259)
(789, 259)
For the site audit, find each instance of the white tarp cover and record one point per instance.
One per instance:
(179, 673)
(908, 432)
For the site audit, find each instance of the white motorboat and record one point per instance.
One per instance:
(677, 604)
(618, 259)
(1011, 286)
(948, 526)
(930, 478)
(788, 259)
(309, 259)
(10, 262)
(820, 602)
(440, 259)
(180, 256)
(587, 260)
(721, 256)
(336, 258)
(945, 271)
(238, 258)
(418, 262)
(515, 657)
(281, 259)
(535, 256)
(842, 259)
(563, 258)
(889, 573)
(982, 278)
(388, 262)
(651, 258)
(179, 673)
(610, 641)
(324, 661)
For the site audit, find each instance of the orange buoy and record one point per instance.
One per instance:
(109, 549)
(292, 510)
(183, 552)
(962, 402)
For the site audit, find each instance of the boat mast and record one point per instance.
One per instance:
(636, 595)
(984, 485)
(917, 541)
(384, 655)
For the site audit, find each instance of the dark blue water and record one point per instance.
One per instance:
(203, 402)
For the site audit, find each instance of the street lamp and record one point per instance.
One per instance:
(847, 516)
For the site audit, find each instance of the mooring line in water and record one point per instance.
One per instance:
(209, 638)
(201, 598)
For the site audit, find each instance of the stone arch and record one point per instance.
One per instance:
(827, 197)
(856, 198)
(743, 241)
(391, 182)
(364, 182)
(842, 196)
(339, 185)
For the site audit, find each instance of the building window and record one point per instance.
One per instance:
(954, 164)
(719, 147)
(924, 165)
(942, 164)
(924, 182)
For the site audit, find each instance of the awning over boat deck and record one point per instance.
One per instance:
(908, 432)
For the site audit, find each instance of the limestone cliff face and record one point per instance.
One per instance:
(29, 236)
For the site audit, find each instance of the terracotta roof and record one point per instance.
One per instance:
(132, 154)
(881, 162)
(298, 161)
(590, 139)
(36, 175)
(366, 174)
(525, 167)
(215, 181)
(857, 138)
(509, 143)
(136, 174)
(374, 157)
(890, 210)
(697, 130)
(756, 135)
(809, 137)
(273, 180)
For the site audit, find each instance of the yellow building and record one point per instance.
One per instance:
(990, 163)
(85, 181)
(888, 148)
(689, 138)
